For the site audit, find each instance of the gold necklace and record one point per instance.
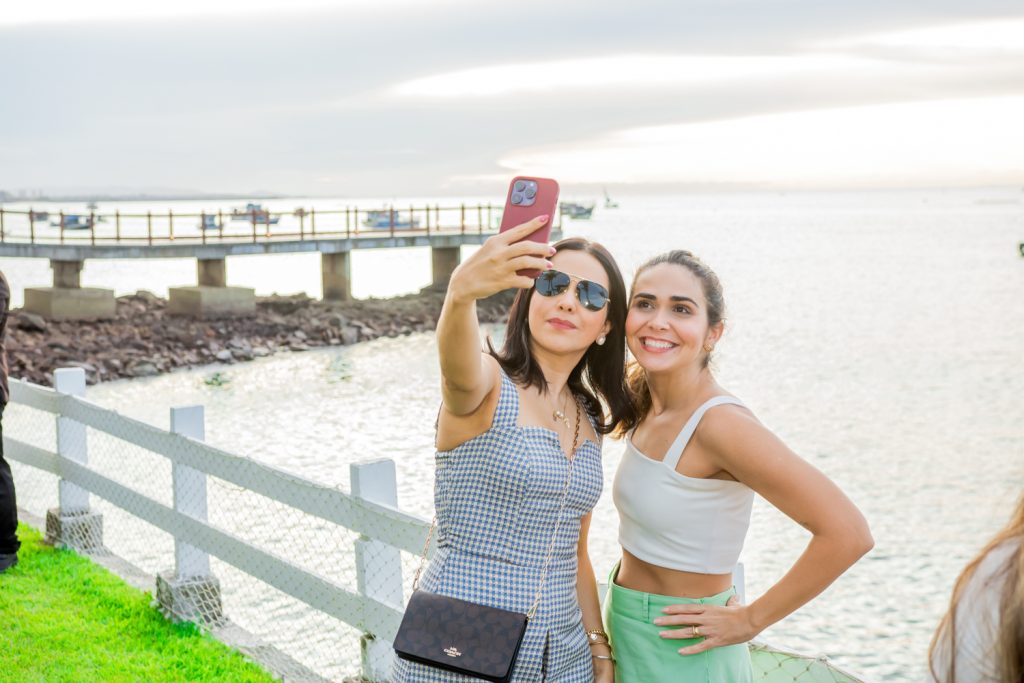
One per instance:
(559, 416)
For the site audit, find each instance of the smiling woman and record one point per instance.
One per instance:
(518, 465)
(695, 456)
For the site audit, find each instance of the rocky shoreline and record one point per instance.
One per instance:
(144, 340)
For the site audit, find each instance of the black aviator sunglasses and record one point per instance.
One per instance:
(592, 296)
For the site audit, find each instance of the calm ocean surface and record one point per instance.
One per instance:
(881, 335)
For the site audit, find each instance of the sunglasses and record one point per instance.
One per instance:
(592, 296)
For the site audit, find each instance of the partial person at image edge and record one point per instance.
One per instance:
(9, 543)
(981, 637)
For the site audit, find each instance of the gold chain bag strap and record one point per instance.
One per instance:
(467, 637)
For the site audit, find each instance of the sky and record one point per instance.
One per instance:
(411, 98)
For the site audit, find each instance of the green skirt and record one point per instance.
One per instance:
(642, 656)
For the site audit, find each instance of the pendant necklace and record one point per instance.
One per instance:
(559, 416)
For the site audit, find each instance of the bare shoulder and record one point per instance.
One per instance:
(731, 433)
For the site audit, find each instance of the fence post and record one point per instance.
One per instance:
(72, 524)
(189, 592)
(378, 566)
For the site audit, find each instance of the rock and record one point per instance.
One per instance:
(224, 356)
(260, 351)
(285, 305)
(88, 367)
(300, 335)
(337, 320)
(143, 370)
(149, 298)
(30, 322)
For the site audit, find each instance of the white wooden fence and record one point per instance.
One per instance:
(373, 605)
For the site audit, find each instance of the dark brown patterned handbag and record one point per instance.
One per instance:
(466, 637)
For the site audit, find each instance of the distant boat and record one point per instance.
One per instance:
(91, 206)
(209, 222)
(254, 213)
(36, 216)
(576, 210)
(609, 203)
(381, 219)
(71, 221)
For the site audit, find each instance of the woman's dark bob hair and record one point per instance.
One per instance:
(598, 380)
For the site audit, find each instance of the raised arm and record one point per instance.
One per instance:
(465, 376)
(752, 454)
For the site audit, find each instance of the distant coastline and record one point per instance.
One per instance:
(139, 197)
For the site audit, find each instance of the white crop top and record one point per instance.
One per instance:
(678, 522)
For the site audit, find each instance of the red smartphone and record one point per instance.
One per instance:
(528, 198)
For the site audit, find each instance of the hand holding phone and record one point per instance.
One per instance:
(528, 198)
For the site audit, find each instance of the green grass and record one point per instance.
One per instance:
(63, 618)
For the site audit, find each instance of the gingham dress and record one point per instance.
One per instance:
(497, 497)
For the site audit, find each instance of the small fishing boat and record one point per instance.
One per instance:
(576, 210)
(209, 222)
(254, 213)
(71, 221)
(91, 206)
(382, 219)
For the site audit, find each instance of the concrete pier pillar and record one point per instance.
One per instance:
(212, 298)
(336, 272)
(212, 272)
(66, 274)
(67, 299)
(443, 262)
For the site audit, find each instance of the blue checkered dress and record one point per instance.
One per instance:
(497, 497)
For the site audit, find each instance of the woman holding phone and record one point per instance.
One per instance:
(695, 456)
(518, 447)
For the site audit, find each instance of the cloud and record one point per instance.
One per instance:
(993, 36)
(936, 142)
(70, 11)
(404, 96)
(627, 71)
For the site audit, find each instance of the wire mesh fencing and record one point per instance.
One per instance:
(277, 566)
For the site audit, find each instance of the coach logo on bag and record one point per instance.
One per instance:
(452, 651)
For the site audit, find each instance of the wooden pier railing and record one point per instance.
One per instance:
(31, 226)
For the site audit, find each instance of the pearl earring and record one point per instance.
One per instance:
(600, 340)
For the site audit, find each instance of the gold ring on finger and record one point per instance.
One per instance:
(696, 631)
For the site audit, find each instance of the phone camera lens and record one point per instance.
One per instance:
(530, 192)
(517, 198)
(519, 186)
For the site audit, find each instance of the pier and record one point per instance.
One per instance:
(211, 237)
